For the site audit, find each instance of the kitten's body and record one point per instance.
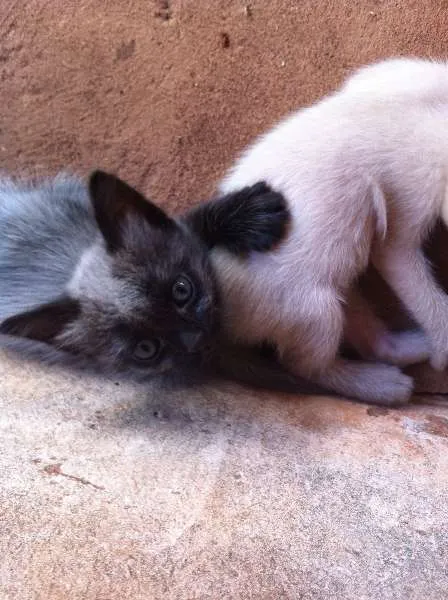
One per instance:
(364, 172)
(51, 224)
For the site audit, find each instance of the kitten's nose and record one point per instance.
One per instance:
(190, 339)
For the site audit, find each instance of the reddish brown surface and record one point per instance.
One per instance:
(167, 91)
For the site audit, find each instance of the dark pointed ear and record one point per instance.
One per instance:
(43, 323)
(251, 219)
(113, 200)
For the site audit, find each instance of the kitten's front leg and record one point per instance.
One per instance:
(254, 218)
(406, 270)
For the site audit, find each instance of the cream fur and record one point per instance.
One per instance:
(364, 174)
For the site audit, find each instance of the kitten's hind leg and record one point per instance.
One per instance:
(369, 336)
(406, 270)
(369, 382)
(373, 383)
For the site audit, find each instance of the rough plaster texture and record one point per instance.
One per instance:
(116, 492)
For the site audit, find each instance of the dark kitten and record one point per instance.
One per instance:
(108, 277)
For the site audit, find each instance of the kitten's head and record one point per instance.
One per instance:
(143, 297)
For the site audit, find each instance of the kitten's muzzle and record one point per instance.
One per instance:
(201, 318)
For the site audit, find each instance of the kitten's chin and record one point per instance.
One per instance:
(195, 361)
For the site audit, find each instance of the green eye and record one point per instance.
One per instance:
(146, 350)
(182, 290)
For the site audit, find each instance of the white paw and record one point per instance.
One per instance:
(387, 385)
(403, 348)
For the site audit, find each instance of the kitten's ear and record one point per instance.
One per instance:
(252, 219)
(43, 323)
(113, 200)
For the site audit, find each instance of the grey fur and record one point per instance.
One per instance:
(44, 231)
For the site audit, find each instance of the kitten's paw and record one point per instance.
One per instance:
(382, 384)
(387, 386)
(374, 383)
(402, 348)
(261, 218)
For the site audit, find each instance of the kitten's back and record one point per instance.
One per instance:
(389, 119)
(400, 79)
(44, 230)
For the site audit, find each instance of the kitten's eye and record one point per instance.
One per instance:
(146, 350)
(182, 290)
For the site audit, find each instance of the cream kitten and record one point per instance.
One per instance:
(364, 172)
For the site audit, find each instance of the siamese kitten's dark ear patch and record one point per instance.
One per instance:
(113, 200)
(43, 323)
(252, 219)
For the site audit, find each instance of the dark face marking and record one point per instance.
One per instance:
(173, 299)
